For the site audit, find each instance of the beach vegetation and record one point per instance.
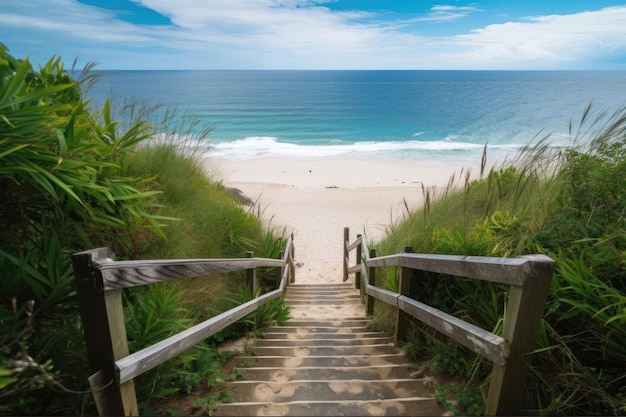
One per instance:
(567, 203)
(75, 176)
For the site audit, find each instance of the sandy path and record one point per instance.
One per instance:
(318, 217)
(318, 198)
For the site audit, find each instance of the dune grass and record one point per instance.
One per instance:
(566, 203)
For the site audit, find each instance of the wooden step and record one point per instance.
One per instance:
(367, 372)
(411, 406)
(321, 364)
(321, 361)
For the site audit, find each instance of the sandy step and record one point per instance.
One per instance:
(325, 342)
(338, 390)
(367, 373)
(398, 407)
(324, 350)
(326, 361)
(323, 294)
(286, 330)
(306, 334)
(325, 287)
(321, 361)
(344, 322)
(320, 302)
(324, 290)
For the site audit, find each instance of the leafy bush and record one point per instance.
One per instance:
(62, 187)
(73, 178)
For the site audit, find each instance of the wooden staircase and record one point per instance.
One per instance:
(325, 361)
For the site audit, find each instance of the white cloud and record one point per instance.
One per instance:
(552, 40)
(305, 34)
(444, 13)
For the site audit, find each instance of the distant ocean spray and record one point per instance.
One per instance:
(438, 117)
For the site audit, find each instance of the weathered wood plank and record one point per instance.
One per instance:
(119, 341)
(346, 254)
(354, 268)
(521, 325)
(267, 297)
(388, 297)
(126, 274)
(354, 244)
(489, 345)
(502, 270)
(404, 288)
(142, 361)
(359, 261)
(105, 334)
(370, 280)
(98, 385)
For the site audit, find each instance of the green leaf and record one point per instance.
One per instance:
(62, 143)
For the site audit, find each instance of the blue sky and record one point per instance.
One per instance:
(319, 34)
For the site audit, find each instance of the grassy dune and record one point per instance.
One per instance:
(568, 204)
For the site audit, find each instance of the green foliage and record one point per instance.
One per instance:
(460, 399)
(73, 178)
(271, 312)
(61, 185)
(568, 204)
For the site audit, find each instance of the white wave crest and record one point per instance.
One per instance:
(263, 146)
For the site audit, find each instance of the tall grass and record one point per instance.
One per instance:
(566, 203)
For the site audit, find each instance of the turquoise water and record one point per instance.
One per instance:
(421, 116)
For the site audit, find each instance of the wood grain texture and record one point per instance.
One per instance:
(512, 271)
(142, 361)
(521, 325)
(388, 297)
(487, 344)
(354, 244)
(127, 274)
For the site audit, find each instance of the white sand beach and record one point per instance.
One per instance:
(317, 198)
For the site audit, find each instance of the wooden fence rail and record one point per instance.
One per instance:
(100, 281)
(529, 279)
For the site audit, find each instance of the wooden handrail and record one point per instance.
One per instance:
(99, 282)
(529, 279)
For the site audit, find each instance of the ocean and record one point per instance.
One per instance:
(436, 117)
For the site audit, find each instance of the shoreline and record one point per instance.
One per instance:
(317, 198)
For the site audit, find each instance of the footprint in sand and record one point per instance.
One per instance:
(353, 388)
(374, 409)
(281, 376)
(303, 351)
(292, 362)
(265, 392)
(274, 410)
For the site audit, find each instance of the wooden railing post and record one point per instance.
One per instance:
(105, 334)
(404, 288)
(292, 263)
(357, 275)
(371, 273)
(280, 271)
(522, 320)
(346, 239)
(251, 279)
